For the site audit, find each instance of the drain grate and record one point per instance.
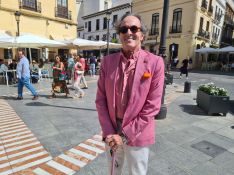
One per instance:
(208, 148)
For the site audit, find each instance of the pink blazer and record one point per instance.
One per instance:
(144, 103)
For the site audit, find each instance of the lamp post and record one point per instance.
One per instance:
(108, 16)
(162, 51)
(17, 18)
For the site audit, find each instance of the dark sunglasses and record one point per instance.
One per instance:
(133, 29)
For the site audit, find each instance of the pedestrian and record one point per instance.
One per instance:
(92, 64)
(82, 77)
(70, 69)
(184, 68)
(129, 93)
(78, 71)
(23, 74)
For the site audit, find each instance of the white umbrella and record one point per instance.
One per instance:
(206, 50)
(29, 41)
(227, 49)
(111, 45)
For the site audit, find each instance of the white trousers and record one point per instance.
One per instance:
(83, 80)
(137, 160)
(78, 90)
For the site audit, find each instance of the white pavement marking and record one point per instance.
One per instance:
(23, 146)
(40, 161)
(13, 135)
(16, 130)
(5, 141)
(16, 127)
(23, 159)
(91, 148)
(60, 167)
(40, 171)
(83, 154)
(25, 152)
(72, 160)
(96, 142)
(20, 142)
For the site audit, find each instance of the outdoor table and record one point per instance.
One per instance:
(14, 73)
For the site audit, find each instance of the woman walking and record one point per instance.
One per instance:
(78, 71)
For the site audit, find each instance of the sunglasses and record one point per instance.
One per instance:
(133, 29)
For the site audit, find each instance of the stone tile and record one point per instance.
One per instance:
(208, 148)
(185, 135)
(231, 150)
(210, 168)
(227, 132)
(225, 160)
(182, 158)
(208, 125)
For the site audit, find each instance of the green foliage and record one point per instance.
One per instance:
(114, 40)
(211, 89)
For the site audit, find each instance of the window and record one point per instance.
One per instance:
(30, 5)
(105, 5)
(127, 12)
(207, 26)
(104, 37)
(104, 23)
(176, 23)
(89, 37)
(155, 24)
(62, 9)
(114, 36)
(62, 3)
(201, 24)
(85, 24)
(89, 26)
(115, 19)
(97, 24)
(97, 37)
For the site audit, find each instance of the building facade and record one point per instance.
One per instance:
(51, 19)
(192, 24)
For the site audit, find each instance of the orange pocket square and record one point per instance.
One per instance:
(147, 75)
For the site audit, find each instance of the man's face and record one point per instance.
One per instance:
(131, 40)
(20, 53)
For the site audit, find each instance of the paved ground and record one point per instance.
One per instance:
(189, 142)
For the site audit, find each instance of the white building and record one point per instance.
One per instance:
(218, 11)
(93, 25)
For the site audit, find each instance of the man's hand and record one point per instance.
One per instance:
(114, 141)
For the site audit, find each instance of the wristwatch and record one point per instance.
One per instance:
(124, 138)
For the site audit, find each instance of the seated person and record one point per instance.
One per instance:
(3, 69)
(12, 65)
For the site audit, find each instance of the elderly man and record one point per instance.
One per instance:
(130, 88)
(23, 74)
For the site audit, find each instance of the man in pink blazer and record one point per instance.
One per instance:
(129, 93)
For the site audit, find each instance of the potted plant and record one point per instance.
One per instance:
(212, 99)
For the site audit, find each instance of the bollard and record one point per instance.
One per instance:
(187, 87)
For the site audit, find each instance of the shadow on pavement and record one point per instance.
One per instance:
(45, 104)
(231, 109)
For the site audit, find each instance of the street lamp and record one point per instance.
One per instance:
(17, 18)
(108, 16)
(162, 51)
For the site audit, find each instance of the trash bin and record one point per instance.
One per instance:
(187, 87)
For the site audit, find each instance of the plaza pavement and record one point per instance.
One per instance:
(188, 141)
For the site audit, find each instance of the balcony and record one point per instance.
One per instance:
(215, 37)
(62, 12)
(175, 29)
(210, 11)
(154, 31)
(204, 5)
(229, 20)
(30, 5)
(204, 34)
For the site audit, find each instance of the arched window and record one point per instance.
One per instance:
(155, 24)
(176, 22)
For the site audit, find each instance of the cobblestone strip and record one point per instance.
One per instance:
(19, 148)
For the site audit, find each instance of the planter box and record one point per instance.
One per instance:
(213, 104)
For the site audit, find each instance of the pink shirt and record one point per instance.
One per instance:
(124, 83)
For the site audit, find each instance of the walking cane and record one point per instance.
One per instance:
(112, 162)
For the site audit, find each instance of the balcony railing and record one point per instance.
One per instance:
(154, 31)
(204, 34)
(175, 29)
(32, 5)
(204, 5)
(218, 17)
(62, 12)
(215, 36)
